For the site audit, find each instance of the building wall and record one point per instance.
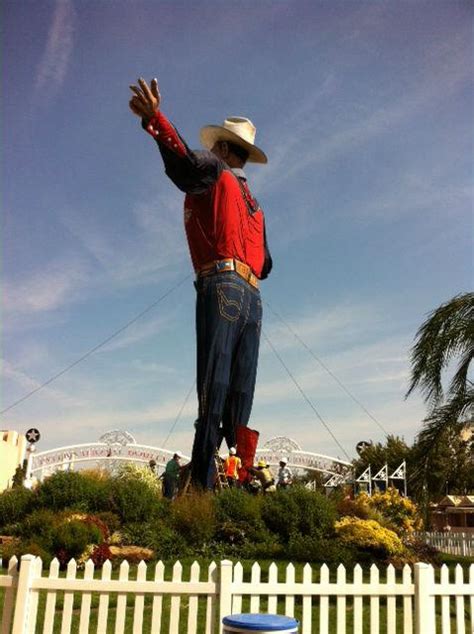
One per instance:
(461, 521)
(12, 454)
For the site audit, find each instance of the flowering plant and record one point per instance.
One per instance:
(369, 535)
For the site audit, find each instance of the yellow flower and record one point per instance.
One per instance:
(368, 534)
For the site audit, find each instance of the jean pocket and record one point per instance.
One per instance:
(230, 298)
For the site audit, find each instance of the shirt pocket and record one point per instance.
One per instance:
(230, 298)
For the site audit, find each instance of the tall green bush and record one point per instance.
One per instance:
(71, 538)
(15, 504)
(238, 507)
(134, 501)
(298, 510)
(39, 526)
(76, 490)
(194, 518)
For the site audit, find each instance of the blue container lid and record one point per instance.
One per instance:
(255, 622)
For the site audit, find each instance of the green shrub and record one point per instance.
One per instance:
(280, 513)
(18, 547)
(71, 538)
(168, 544)
(48, 534)
(134, 501)
(194, 518)
(140, 534)
(111, 520)
(37, 549)
(131, 471)
(8, 550)
(156, 535)
(261, 544)
(313, 548)
(15, 504)
(237, 507)
(298, 510)
(39, 527)
(73, 489)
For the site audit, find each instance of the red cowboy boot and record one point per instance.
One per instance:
(246, 442)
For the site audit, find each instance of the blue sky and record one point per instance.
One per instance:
(365, 112)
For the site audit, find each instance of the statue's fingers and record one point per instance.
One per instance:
(146, 90)
(138, 93)
(155, 89)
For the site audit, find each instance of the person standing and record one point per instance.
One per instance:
(171, 476)
(284, 476)
(232, 466)
(225, 229)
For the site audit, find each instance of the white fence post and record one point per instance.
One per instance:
(23, 595)
(424, 599)
(225, 591)
(9, 599)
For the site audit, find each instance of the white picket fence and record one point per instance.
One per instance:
(451, 543)
(419, 605)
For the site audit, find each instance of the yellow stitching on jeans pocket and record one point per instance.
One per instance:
(229, 307)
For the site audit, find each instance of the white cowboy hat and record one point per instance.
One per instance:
(238, 130)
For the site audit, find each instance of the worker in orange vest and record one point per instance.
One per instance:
(232, 466)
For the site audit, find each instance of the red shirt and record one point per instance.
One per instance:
(222, 218)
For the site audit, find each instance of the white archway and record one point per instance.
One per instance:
(117, 446)
(282, 447)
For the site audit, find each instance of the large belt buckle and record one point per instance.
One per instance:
(225, 265)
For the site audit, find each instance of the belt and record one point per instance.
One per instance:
(229, 264)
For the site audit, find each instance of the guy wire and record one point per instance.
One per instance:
(179, 414)
(324, 366)
(95, 348)
(326, 426)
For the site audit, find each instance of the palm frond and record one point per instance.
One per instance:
(460, 381)
(450, 417)
(448, 331)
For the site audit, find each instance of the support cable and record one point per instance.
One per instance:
(95, 348)
(179, 414)
(324, 366)
(321, 419)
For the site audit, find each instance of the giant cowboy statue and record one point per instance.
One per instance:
(225, 229)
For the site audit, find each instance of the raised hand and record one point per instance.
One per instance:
(146, 99)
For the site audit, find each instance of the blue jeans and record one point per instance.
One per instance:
(228, 324)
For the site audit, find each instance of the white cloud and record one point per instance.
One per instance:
(152, 422)
(412, 193)
(335, 324)
(140, 331)
(292, 150)
(46, 289)
(53, 66)
(154, 249)
(26, 383)
(153, 246)
(153, 368)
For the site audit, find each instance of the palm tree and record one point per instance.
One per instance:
(447, 333)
